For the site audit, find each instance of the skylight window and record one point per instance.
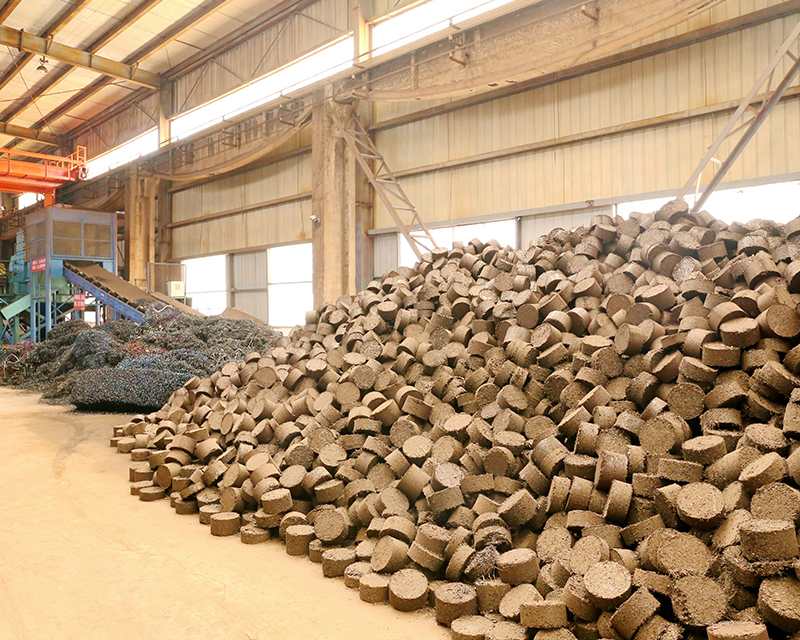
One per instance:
(424, 20)
(322, 63)
(27, 199)
(124, 153)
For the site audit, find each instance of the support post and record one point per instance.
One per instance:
(164, 218)
(164, 112)
(751, 130)
(361, 12)
(332, 205)
(140, 217)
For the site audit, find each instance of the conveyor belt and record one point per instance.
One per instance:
(119, 294)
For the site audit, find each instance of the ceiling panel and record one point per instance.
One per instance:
(86, 26)
(94, 20)
(35, 16)
(246, 10)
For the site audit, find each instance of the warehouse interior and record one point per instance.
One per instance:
(482, 305)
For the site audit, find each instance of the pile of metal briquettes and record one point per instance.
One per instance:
(595, 437)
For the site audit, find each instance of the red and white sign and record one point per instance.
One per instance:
(79, 301)
(38, 264)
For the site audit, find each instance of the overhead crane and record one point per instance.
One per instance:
(42, 173)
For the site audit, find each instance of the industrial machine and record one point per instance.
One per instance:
(14, 299)
(26, 172)
(56, 237)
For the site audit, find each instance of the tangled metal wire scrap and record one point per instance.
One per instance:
(168, 340)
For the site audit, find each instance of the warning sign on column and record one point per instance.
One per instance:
(79, 301)
(38, 264)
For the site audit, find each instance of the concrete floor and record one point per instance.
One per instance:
(82, 558)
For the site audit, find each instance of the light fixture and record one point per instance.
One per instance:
(42, 63)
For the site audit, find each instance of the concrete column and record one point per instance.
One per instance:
(164, 218)
(361, 11)
(140, 226)
(164, 112)
(333, 198)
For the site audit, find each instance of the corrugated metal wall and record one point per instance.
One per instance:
(385, 252)
(273, 48)
(621, 165)
(382, 7)
(129, 123)
(248, 283)
(275, 224)
(649, 160)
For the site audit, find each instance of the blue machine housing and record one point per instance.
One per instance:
(55, 235)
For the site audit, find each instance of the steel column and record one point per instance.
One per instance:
(743, 106)
(753, 127)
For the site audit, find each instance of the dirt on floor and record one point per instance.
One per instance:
(82, 558)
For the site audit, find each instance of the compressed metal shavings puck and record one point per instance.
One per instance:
(225, 523)
(732, 630)
(389, 555)
(315, 551)
(374, 588)
(335, 561)
(608, 584)
(354, 572)
(779, 603)
(408, 590)
(136, 487)
(470, 628)
(253, 534)
(185, 507)
(699, 601)
(454, 600)
(298, 537)
(151, 493)
(208, 510)
(512, 603)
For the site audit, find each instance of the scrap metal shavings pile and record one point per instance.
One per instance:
(93, 367)
(594, 437)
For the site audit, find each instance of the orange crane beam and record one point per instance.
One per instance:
(43, 176)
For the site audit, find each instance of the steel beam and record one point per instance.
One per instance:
(740, 23)
(60, 21)
(765, 77)
(177, 29)
(27, 133)
(126, 21)
(57, 75)
(251, 29)
(543, 37)
(248, 30)
(383, 181)
(76, 57)
(7, 7)
(748, 134)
